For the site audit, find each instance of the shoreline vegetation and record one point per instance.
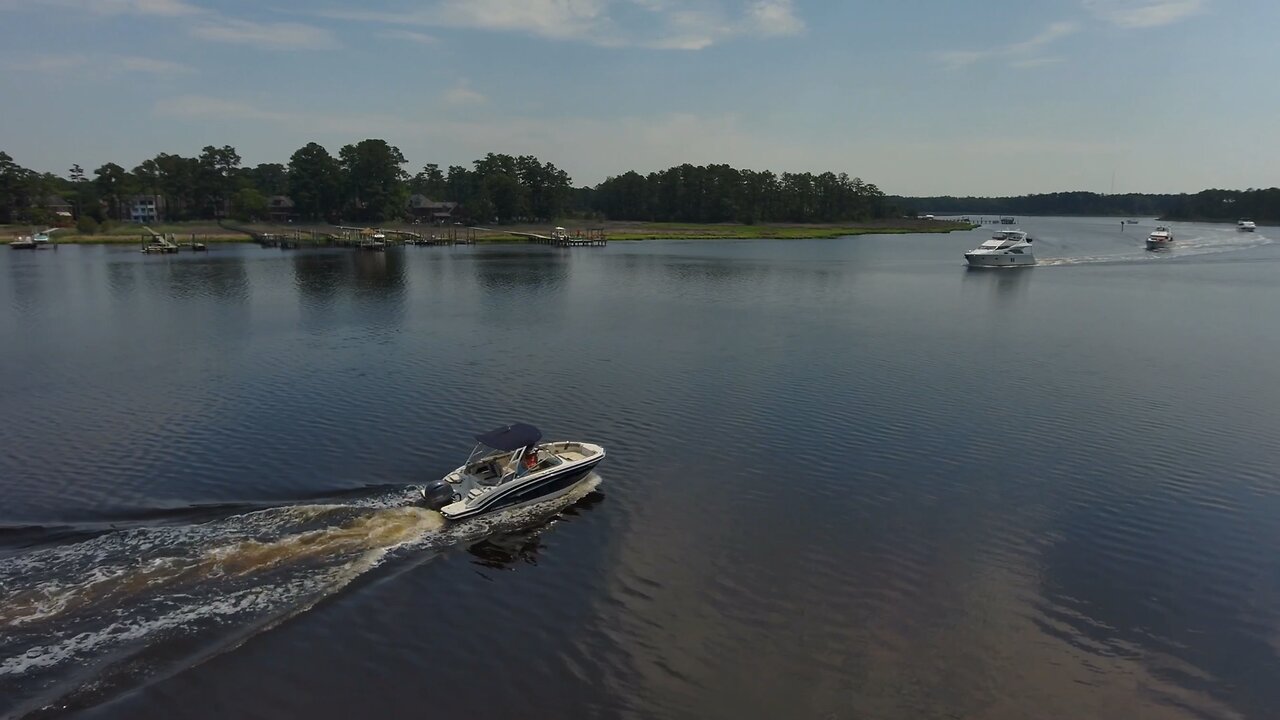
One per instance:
(206, 232)
(1262, 205)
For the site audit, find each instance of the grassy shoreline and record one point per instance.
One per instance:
(619, 231)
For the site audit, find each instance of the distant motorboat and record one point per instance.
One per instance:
(1246, 225)
(1160, 239)
(1006, 248)
(1008, 221)
(1131, 222)
(33, 241)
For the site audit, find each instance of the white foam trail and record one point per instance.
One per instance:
(1205, 244)
(260, 567)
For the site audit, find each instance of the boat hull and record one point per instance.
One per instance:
(1159, 244)
(515, 494)
(983, 260)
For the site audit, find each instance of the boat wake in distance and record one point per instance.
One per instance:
(81, 620)
(1209, 243)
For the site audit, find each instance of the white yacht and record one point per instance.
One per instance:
(1246, 225)
(1161, 238)
(510, 467)
(1006, 248)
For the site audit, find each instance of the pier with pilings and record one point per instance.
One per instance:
(559, 237)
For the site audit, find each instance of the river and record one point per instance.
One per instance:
(846, 479)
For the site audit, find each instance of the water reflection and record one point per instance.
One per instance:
(318, 275)
(503, 552)
(1202, 623)
(521, 268)
(222, 277)
(378, 272)
(122, 278)
(1005, 285)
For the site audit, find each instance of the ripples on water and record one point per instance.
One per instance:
(846, 479)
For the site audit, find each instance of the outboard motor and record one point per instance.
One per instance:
(437, 494)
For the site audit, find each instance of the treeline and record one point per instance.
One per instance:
(1259, 205)
(721, 193)
(365, 181)
(1210, 205)
(1061, 203)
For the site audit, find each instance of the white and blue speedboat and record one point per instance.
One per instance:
(508, 467)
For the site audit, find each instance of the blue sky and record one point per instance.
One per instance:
(918, 96)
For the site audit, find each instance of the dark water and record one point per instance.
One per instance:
(846, 479)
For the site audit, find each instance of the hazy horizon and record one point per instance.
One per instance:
(1007, 99)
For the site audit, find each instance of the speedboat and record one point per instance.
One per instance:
(1246, 225)
(1008, 221)
(1160, 239)
(508, 467)
(1006, 248)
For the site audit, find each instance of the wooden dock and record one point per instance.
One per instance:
(154, 243)
(593, 237)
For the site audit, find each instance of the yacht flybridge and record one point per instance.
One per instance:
(1006, 248)
(508, 467)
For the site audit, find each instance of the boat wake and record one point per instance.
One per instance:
(80, 620)
(1183, 248)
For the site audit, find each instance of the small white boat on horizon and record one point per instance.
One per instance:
(1160, 239)
(1006, 248)
(1246, 225)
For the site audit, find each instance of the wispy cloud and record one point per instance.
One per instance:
(462, 94)
(661, 24)
(1036, 62)
(99, 66)
(412, 36)
(281, 35)
(151, 65)
(163, 8)
(202, 106)
(1020, 54)
(198, 21)
(1144, 13)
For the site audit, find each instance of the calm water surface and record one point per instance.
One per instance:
(846, 479)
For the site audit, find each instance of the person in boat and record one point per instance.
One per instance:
(530, 459)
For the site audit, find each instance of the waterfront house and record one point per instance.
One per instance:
(143, 208)
(280, 209)
(60, 210)
(424, 209)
